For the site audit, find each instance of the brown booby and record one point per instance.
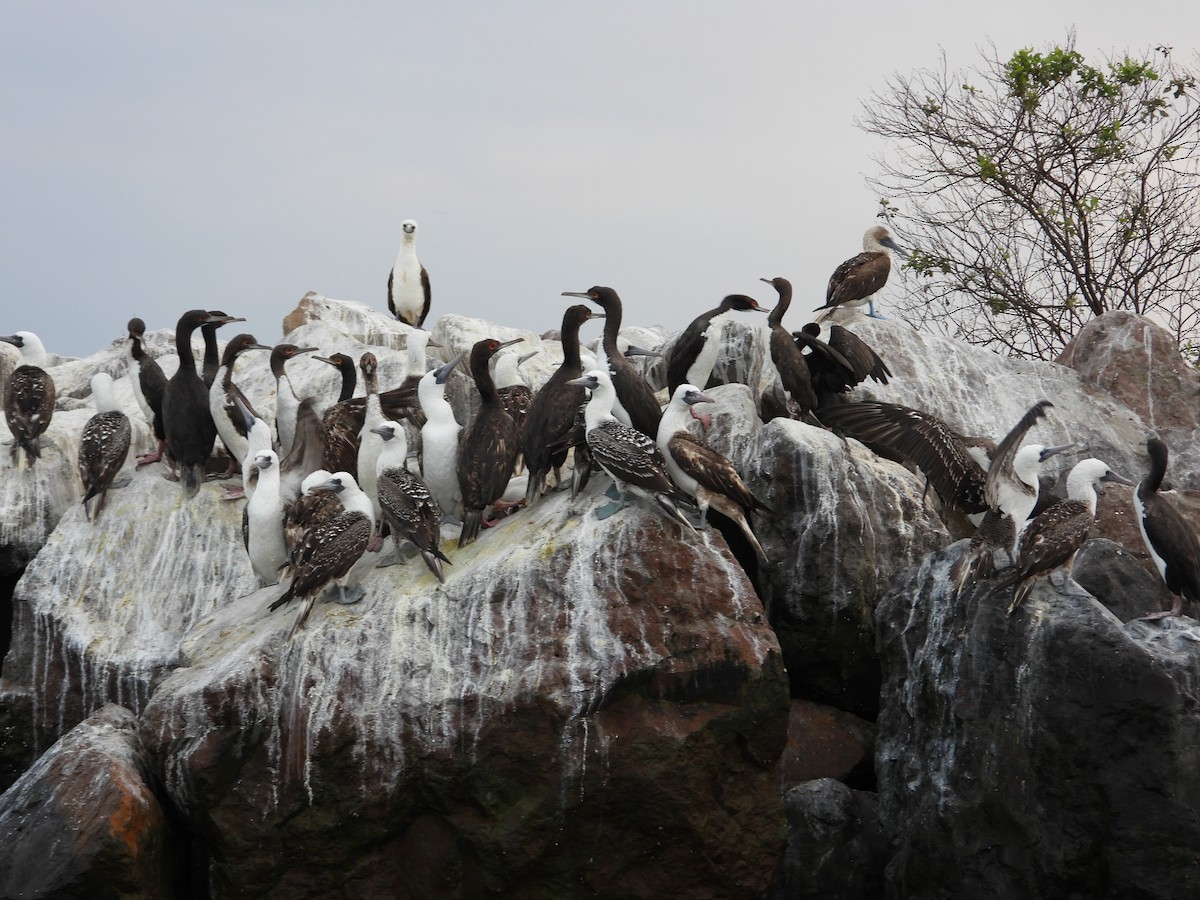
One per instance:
(632, 391)
(702, 473)
(103, 446)
(860, 278)
(632, 459)
(329, 551)
(408, 282)
(1171, 542)
(551, 415)
(1049, 543)
(223, 397)
(789, 361)
(190, 430)
(149, 383)
(405, 502)
(29, 398)
(694, 353)
(487, 452)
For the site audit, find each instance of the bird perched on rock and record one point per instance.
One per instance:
(262, 521)
(104, 444)
(694, 353)
(29, 397)
(1171, 542)
(223, 397)
(487, 452)
(702, 473)
(329, 551)
(789, 361)
(1052, 539)
(842, 363)
(149, 383)
(861, 277)
(405, 502)
(633, 460)
(439, 440)
(408, 282)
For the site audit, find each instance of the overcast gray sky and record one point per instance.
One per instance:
(237, 155)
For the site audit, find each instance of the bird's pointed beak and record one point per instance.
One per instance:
(525, 357)
(442, 373)
(1054, 451)
(504, 344)
(584, 294)
(634, 350)
(1113, 478)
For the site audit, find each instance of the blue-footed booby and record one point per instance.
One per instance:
(860, 278)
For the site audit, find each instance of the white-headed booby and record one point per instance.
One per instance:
(408, 282)
(694, 353)
(405, 502)
(104, 444)
(1171, 542)
(703, 473)
(632, 459)
(439, 440)
(29, 398)
(860, 278)
(1051, 540)
(487, 452)
(262, 521)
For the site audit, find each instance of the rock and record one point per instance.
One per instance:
(836, 849)
(84, 823)
(824, 742)
(1119, 580)
(1046, 753)
(844, 523)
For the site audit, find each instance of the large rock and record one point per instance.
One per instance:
(1050, 753)
(84, 823)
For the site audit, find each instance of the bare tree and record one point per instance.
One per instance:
(1040, 191)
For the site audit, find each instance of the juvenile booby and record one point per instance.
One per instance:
(223, 397)
(408, 282)
(149, 383)
(104, 444)
(439, 440)
(632, 459)
(789, 361)
(287, 403)
(551, 415)
(405, 502)
(1049, 543)
(694, 353)
(860, 278)
(488, 450)
(631, 388)
(842, 363)
(1171, 542)
(329, 551)
(310, 509)
(29, 399)
(188, 424)
(262, 521)
(212, 356)
(703, 473)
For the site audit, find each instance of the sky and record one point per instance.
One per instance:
(234, 156)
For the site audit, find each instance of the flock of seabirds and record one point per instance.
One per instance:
(325, 487)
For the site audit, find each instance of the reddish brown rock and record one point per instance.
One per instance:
(824, 742)
(83, 823)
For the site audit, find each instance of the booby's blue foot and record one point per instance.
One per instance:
(613, 493)
(603, 512)
(871, 311)
(347, 597)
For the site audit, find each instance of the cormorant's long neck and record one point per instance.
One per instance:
(570, 343)
(183, 345)
(785, 300)
(135, 348)
(1158, 470)
(612, 326)
(349, 383)
(483, 378)
(211, 358)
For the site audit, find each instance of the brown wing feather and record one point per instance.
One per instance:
(711, 470)
(857, 278)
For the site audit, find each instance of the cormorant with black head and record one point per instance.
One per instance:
(488, 449)
(789, 361)
(212, 355)
(632, 390)
(1170, 540)
(551, 415)
(842, 363)
(189, 426)
(287, 403)
(223, 397)
(149, 383)
(694, 353)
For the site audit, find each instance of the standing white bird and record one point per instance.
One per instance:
(439, 440)
(262, 521)
(408, 282)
